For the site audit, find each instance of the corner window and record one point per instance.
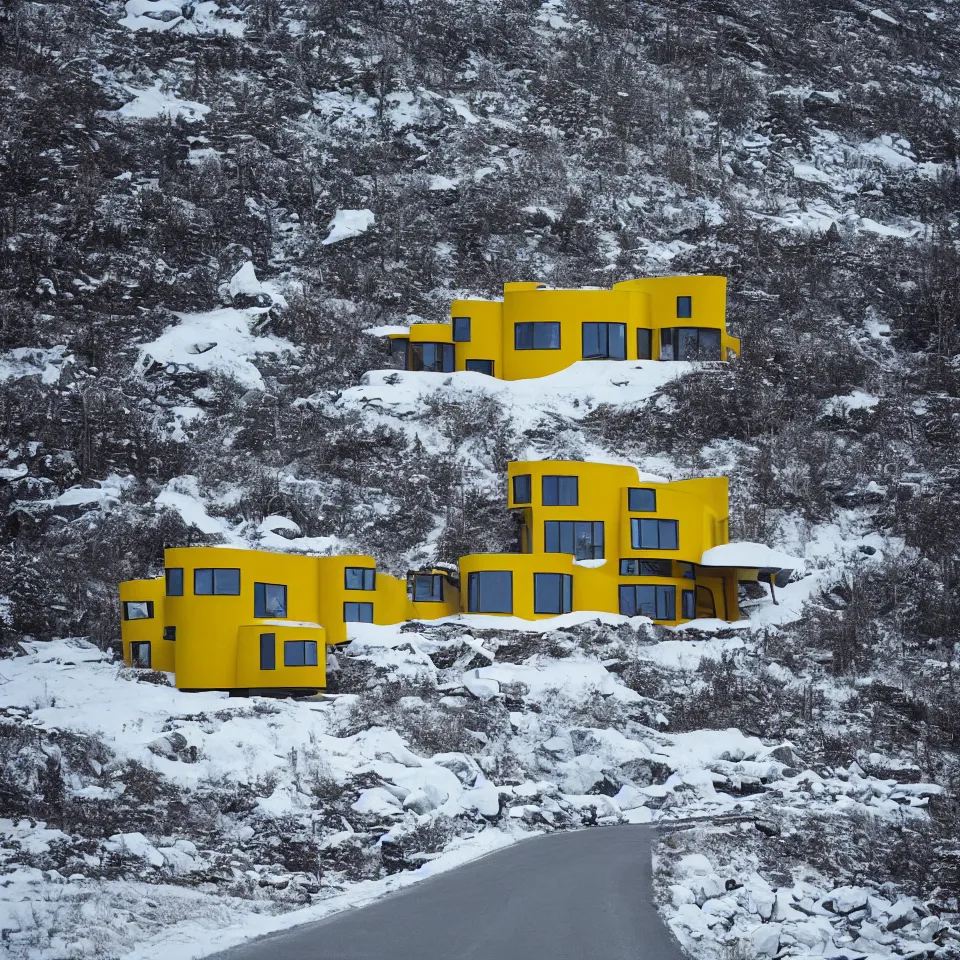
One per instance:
(268, 651)
(522, 489)
(642, 500)
(536, 336)
(433, 357)
(169, 633)
(604, 341)
(427, 588)
(269, 600)
(552, 593)
(658, 602)
(358, 612)
(461, 329)
(490, 592)
(689, 343)
(300, 653)
(684, 308)
(706, 607)
(582, 538)
(140, 654)
(654, 534)
(398, 352)
(688, 605)
(360, 578)
(219, 581)
(644, 344)
(480, 366)
(138, 610)
(560, 491)
(645, 568)
(174, 582)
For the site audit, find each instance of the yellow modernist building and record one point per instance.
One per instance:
(535, 331)
(590, 537)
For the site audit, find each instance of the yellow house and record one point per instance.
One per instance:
(251, 620)
(535, 331)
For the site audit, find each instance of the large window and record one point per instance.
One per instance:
(641, 500)
(582, 538)
(688, 605)
(536, 336)
(646, 568)
(138, 610)
(560, 492)
(221, 581)
(684, 308)
(398, 352)
(461, 329)
(522, 490)
(644, 344)
(357, 612)
(268, 651)
(140, 654)
(689, 343)
(604, 341)
(269, 600)
(427, 588)
(175, 582)
(432, 357)
(654, 534)
(656, 601)
(552, 593)
(480, 366)
(360, 578)
(300, 653)
(490, 592)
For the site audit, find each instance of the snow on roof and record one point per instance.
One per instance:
(743, 553)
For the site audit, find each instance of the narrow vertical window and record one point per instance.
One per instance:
(684, 308)
(268, 651)
(644, 345)
(688, 604)
(175, 582)
(461, 329)
(521, 488)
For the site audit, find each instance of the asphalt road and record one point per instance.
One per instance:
(568, 896)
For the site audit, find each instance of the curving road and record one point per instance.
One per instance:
(566, 896)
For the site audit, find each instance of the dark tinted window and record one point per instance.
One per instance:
(522, 489)
(398, 353)
(427, 587)
(461, 329)
(138, 610)
(688, 605)
(689, 343)
(654, 534)
(169, 633)
(536, 336)
(656, 601)
(490, 592)
(203, 581)
(268, 651)
(140, 654)
(644, 345)
(432, 357)
(480, 366)
(360, 578)
(358, 612)
(269, 600)
(684, 308)
(582, 538)
(560, 492)
(300, 653)
(175, 582)
(645, 568)
(604, 341)
(705, 603)
(222, 581)
(642, 500)
(552, 593)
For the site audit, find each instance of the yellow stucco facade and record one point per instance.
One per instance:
(535, 331)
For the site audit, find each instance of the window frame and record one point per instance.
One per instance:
(472, 369)
(561, 535)
(644, 351)
(214, 592)
(364, 604)
(555, 480)
(660, 592)
(457, 324)
(170, 633)
(307, 647)
(148, 604)
(268, 641)
(518, 498)
(135, 647)
(638, 490)
(671, 340)
(535, 327)
(640, 561)
(564, 594)
(364, 579)
(603, 338)
(436, 592)
(713, 599)
(447, 354)
(688, 598)
(260, 611)
(637, 526)
(685, 308)
(167, 578)
(475, 600)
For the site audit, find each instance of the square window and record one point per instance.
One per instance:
(684, 308)
(641, 500)
(300, 653)
(138, 610)
(427, 588)
(268, 651)
(226, 582)
(169, 633)
(490, 592)
(480, 366)
(174, 582)
(269, 600)
(360, 578)
(560, 491)
(461, 329)
(140, 655)
(357, 612)
(552, 593)
(522, 491)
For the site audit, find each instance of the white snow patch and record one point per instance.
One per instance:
(348, 223)
(155, 101)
